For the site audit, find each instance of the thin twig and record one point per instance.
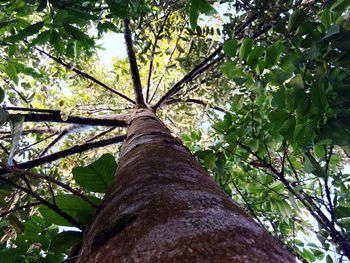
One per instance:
(157, 37)
(49, 179)
(135, 76)
(52, 193)
(53, 142)
(199, 68)
(247, 203)
(327, 188)
(67, 152)
(35, 143)
(85, 75)
(118, 120)
(19, 208)
(167, 64)
(101, 134)
(195, 101)
(43, 201)
(33, 110)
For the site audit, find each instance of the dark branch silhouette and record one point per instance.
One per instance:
(203, 66)
(195, 101)
(134, 71)
(113, 120)
(55, 208)
(150, 71)
(49, 179)
(67, 152)
(32, 110)
(85, 75)
(18, 208)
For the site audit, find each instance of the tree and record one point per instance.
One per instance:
(273, 81)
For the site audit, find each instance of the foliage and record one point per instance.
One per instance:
(263, 101)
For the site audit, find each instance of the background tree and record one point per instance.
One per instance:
(273, 81)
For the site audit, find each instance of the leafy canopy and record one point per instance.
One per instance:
(259, 90)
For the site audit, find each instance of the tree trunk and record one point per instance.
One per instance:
(164, 207)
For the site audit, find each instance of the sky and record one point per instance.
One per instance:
(113, 46)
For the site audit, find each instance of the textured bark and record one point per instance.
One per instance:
(163, 207)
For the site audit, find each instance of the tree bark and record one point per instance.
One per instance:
(164, 207)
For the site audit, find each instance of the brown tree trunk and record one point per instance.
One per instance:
(163, 207)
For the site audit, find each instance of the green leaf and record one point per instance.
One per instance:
(271, 55)
(296, 19)
(308, 255)
(10, 255)
(4, 116)
(340, 5)
(120, 9)
(318, 95)
(334, 30)
(63, 241)
(42, 38)
(337, 130)
(229, 69)
(81, 14)
(280, 76)
(230, 48)
(280, 27)
(26, 32)
(56, 41)
(297, 81)
(313, 166)
(279, 98)
(326, 17)
(208, 158)
(288, 127)
(342, 212)
(245, 48)
(78, 35)
(196, 7)
(329, 259)
(74, 206)
(12, 72)
(7, 22)
(2, 96)
(220, 164)
(277, 118)
(97, 176)
(254, 55)
(303, 135)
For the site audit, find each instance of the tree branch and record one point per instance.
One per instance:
(135, 76)
(37, 142)
(43, 201)
(114, 120)
(247, 203)
(191, 75)
(101, 134)
(309, 204)
(152, 56)
(67, 152)
(195, 101)
(38, 130)
(167, 64)
(200, 68)
(33, 110)
(19, 208)
(328, 192)
(49, 179)
(53, 142)
(85, 75)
